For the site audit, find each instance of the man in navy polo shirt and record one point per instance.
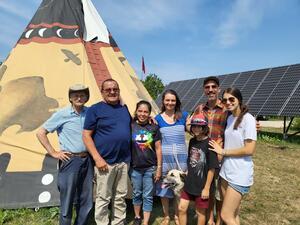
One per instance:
(75, 174)
(107, 137)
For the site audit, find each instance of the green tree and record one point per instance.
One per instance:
(154, 85)
(296, 124)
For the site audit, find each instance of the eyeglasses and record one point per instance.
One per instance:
(210, 86)
(109, 90)
(230, 99)
(76, 96)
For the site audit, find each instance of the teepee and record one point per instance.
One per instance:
(65, 43)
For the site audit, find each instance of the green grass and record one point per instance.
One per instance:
(274, 136)
(273, 199)
(43, 216)
(275, 196)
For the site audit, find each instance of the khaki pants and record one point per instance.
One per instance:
(111, 187)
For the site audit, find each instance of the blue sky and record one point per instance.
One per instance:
(185, 39)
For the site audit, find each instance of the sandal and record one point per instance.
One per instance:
(165, 221)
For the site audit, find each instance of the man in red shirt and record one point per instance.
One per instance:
(216, 116)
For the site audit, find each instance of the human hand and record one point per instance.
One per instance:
(188, 120)
(199, 109)
(151, 120)
(220, 141)
(61, 155)
(205, 194)
(215, 147)
(157, 175)
(101, 165)
(258, 127)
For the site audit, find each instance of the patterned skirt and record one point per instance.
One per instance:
(173, 157)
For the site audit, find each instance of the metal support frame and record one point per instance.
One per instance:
(286, 128)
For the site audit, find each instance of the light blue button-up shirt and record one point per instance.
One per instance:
(69, 126)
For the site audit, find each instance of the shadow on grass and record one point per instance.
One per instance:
(156, 215)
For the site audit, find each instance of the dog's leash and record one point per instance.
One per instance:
(176, 158)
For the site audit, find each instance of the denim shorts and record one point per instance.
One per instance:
(240, 189)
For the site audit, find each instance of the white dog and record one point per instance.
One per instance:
(174, 180)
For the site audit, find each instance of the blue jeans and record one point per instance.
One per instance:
(75, 184)
(143, 187)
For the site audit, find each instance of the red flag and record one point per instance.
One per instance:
(143, 65)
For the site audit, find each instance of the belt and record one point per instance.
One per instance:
(80, 154)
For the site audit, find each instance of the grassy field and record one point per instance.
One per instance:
(274, 199)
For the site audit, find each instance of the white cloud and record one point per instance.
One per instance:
(243, 17)
(144, 16)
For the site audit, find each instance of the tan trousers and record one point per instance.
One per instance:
(111, 187)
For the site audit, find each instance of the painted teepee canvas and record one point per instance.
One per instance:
(65, 43)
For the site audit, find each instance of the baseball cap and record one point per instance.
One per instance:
(199, 119)
(211, 78)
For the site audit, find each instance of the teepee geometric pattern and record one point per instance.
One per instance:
(65, 43)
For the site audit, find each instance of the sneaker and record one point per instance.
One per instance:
(137, 221)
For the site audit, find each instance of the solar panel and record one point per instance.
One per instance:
(171, 85)
(228, 81)
(271, 91)
(253, 84)
(185, 87)
(195, 95)
(242, 79)
(265, 89)
(221, 78)
(293, 107)
(193, 103)
(281, 92)
(183, 104)
(181, 85)
(188, 88)
(194, 89)
(176, 85)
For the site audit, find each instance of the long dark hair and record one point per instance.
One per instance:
(244, 108)
(178, 112)
(142, 102)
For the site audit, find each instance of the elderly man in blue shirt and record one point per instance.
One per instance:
(75, 172)
(107, 137)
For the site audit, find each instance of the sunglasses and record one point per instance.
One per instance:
(230, 99)
(109, 90)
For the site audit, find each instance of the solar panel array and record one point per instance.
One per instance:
(267, 92)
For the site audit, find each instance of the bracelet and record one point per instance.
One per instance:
(158, 166)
